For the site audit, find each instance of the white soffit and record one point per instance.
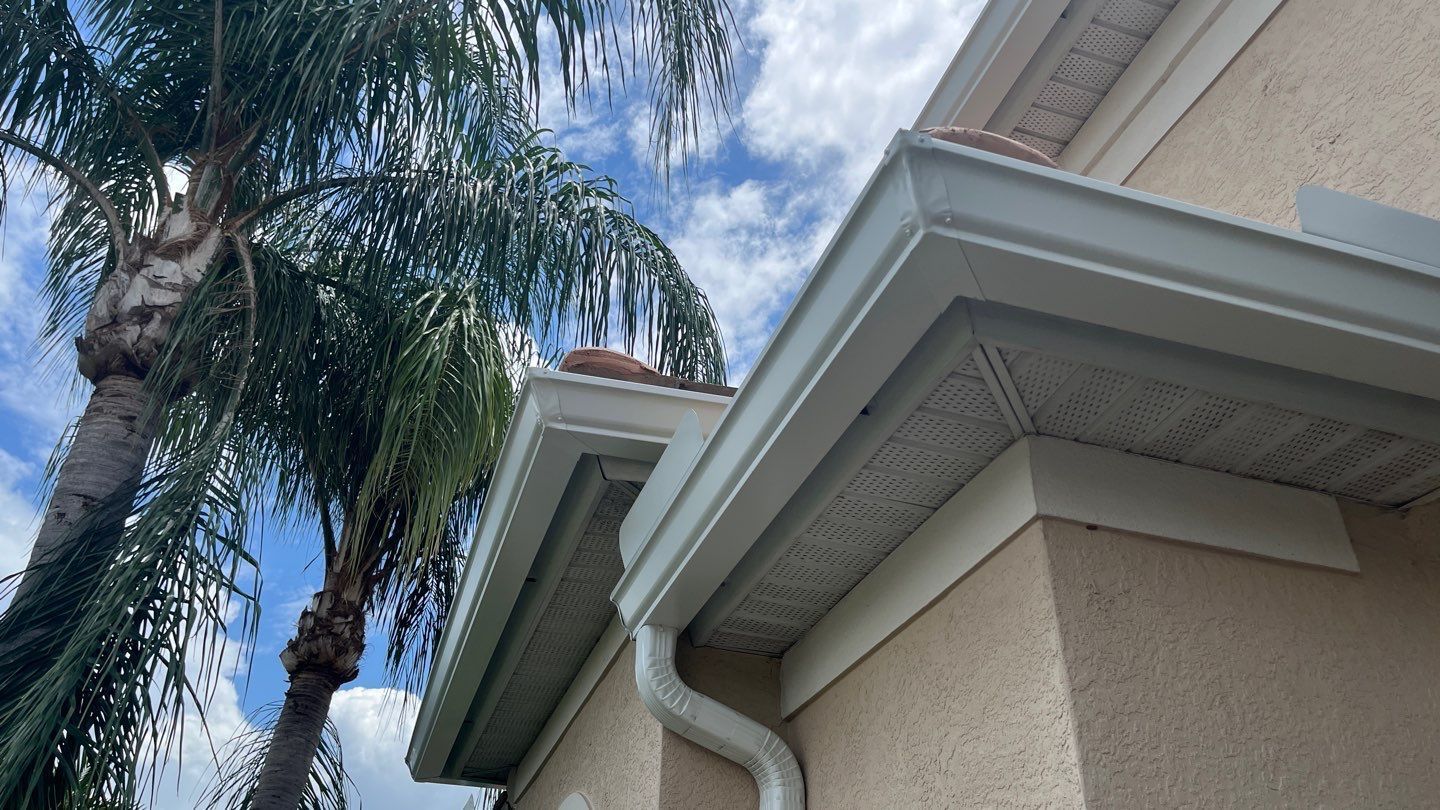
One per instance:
(996, 51)
(1197, 42)
(1044, 477)
(1143, 397)
(1095, 84)
(550, 645)
(1085, 55)
(548, 473)
(939, 222)
(606, 650)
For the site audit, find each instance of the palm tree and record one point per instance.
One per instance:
(384, 436)
(212, 156)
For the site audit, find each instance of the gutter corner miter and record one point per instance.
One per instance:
(713, 725)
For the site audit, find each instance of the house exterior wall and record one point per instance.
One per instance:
(620, 758)
(1201, 677)
(611, 753)
(1339, 93)
(965, 706)
(1087, 667)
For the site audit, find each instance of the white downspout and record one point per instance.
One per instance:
(713, 725)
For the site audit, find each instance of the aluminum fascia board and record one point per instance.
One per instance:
(846, 331)
(1056, 243)
(558, 418)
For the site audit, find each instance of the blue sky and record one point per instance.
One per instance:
(823, 84)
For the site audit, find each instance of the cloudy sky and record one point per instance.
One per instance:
(823, 85)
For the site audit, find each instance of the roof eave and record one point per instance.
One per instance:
(996, 51)
(939, 222)
(559, 417)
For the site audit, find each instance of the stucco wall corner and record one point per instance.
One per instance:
(966, 706)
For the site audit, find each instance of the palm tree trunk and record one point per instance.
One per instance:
(96, 485)
(296, 739)
(323, 656)
(126, 328)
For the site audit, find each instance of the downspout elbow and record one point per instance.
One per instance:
(713, 725)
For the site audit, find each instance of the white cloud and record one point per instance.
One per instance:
(190, 769)
(834, 81)
(34, 406)
(38, 399)
(827, 83)
(18, 516)
(838, 77)
(748, 246)
(374, 726)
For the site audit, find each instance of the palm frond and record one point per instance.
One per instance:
(477, 236)
(553, 248)
(139, 622)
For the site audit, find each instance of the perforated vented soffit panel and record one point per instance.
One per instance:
(1102, 51)
(956, 431)
(574, 619)
(960, 428)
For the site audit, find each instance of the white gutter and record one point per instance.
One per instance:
(939, 222)
(713, 725)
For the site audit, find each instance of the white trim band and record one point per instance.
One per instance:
(1189, 51)
(1043, 477)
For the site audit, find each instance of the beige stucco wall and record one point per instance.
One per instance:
(1341, 93)
(965, 707)
(611, 752)
(1203, 677)
(620, 758)
(1090, 667)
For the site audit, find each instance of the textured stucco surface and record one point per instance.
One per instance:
(611, 753)
(965, 707)
(1205, 678)
(1341, 93)
(620, 757)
